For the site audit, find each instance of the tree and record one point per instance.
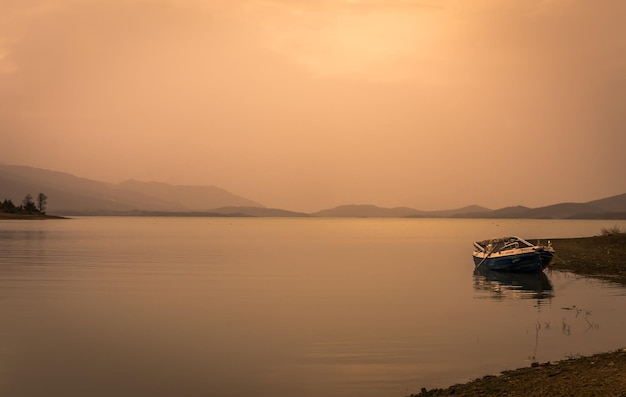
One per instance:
(42, 200)
(27, 204)
(7, 206)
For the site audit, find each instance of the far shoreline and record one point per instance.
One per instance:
(15, 216)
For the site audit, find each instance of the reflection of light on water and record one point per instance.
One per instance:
(501, 285)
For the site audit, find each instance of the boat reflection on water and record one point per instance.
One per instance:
(502, 285)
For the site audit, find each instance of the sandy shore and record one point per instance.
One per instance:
(598, 375)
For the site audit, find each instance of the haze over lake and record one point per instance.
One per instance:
(281, 307)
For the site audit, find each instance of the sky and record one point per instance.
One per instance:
(307, 105)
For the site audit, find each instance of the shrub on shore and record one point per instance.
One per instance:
(611, 231)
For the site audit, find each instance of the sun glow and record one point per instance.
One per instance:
(359, 43)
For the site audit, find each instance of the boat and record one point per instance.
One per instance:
(512, 254)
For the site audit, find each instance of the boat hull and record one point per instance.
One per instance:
(528, 262)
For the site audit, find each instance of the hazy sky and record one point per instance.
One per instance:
(305, 105)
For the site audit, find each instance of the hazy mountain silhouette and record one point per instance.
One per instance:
(367, 211)
(256, 211)
(611, 204)
(71, 195)
(562, 211)
(458, 212)
(518, 211)
(372, 211)
(68, 194)
(613, 207)
(198, 198)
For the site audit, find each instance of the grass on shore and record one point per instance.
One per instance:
(601, 256)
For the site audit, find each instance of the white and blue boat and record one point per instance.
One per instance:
(512, 254)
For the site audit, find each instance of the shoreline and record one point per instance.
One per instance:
(602, 257)
(602, 374)
(28, 217)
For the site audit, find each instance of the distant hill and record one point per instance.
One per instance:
(608, 208)
(611, 204)
(372, 211)
(256, 211)
(367, 211)
(562, 211)
(518, 211)
(189, 197)
(458, 212)
(71, 195)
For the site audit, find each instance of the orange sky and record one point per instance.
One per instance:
(306, 105)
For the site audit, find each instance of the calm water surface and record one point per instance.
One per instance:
(281, 307)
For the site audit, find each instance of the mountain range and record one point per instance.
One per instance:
(72, 195)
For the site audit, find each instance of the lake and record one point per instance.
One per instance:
(282, 307)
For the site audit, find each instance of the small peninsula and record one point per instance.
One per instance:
(28, 210)
(36, 216)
